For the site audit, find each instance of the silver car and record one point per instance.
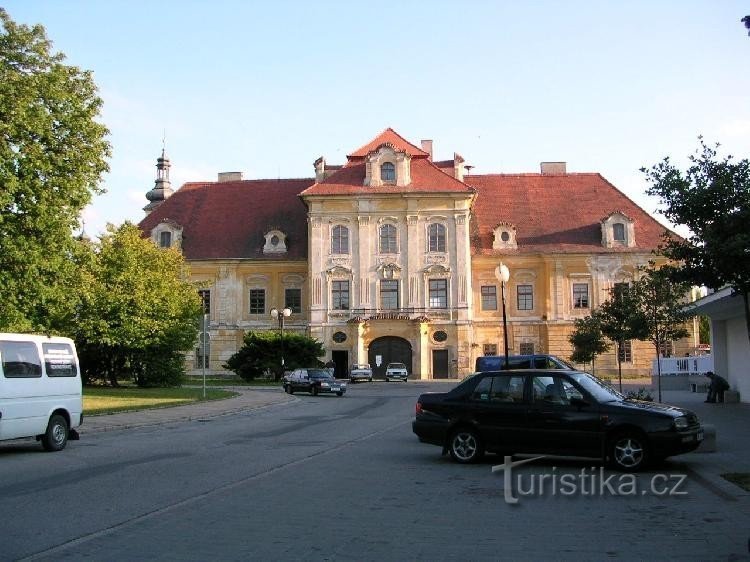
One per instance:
(396, 372)
(360, 372)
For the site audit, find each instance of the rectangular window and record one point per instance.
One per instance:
(525, 297)
(526, 348)
(257, 301)
(438, 293)
(625, 352)
(580, 295)
(20, 359)
(666, 348)
(165, 239)
(205, 295)
(340, 295)
(389, 295)
(489, 297)
(59, 360)
(203, 351)
(293, 300)
(489, 349)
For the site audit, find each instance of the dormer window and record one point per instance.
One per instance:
(618, 230)
(167, 234)
(388, 172)
(504, 237)
(275, 242)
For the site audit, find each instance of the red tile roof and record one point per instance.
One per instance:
(391, 137)
(425, 178)
(228, 220)
(554, 213)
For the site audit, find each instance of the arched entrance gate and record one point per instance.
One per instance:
(388, 349)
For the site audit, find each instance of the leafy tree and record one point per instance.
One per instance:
(138, 315)
(661, 304)
(704, 329)
(587, 339)
(261, 353)
(621, 320)
(712, 199)
(52, 155)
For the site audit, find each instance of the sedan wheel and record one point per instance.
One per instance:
(628, 452)
(465, 446)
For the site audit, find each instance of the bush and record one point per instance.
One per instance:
(641, 394)
(261, 353)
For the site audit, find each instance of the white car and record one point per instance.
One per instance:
(360, 372)
(396, 372)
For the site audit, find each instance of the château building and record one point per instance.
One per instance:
(392, 256)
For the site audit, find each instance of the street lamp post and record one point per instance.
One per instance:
(280, 315)
(502, 274)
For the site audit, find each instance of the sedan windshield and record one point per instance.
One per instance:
(319, 374)
(596, 387)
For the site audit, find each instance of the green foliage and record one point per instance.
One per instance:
(712, 199)
(52, 155)
(661, 303)
(641, 394)
(587, 339)
(704, 327)
(261, 353)
(138, 314)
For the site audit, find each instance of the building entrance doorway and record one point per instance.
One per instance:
(340, 364)
(388, 349)
(440, 368)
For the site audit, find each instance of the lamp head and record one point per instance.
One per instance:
(502, 273)
(275, 312)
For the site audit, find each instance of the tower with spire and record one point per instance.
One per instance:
(162, 186)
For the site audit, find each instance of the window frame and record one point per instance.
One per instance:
(525, 300)
(253, 299)
(619, 228)
(437, 293)
(389, 288)
(205, 296)
(488, 297)
(293, 299)
(388, 172)
(165, 235)
(577, 298)
(437, 236)
(340, 294)
(391, 239)
(340, 239)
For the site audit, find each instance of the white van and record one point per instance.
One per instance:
(40, 389)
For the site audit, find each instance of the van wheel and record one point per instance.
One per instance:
(56, 436)
(314, 391)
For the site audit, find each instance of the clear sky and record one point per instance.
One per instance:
(267, 87)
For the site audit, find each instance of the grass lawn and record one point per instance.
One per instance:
(107, 400)
(229, 380)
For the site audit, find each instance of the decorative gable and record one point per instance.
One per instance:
(275, 242)
(618, 231)
(387, 166)
(504, 237)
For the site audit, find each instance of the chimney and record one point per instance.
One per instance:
(458, 166)
(320, 169)
(553, 168)
(427, 147)
(229, 176)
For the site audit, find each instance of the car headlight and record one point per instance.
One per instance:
(681, 422)
(324, 384)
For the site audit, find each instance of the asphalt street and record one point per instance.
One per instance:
(327, 478)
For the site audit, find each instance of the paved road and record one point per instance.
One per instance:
(329, 478)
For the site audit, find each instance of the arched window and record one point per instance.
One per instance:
(618, 232)
(388, 239)
(388, 172)
(436, 237)
(340, 240)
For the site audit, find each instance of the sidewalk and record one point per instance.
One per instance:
(250, 398)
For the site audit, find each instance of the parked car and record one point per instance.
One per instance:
(360, 372)
(568, 413)
(314, 381)
(535, 361)
(396, 372)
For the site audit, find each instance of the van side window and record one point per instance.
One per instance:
(20, 359)
(59, 360)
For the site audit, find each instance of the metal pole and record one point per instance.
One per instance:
(281, 326)
(505, 324)
(203, 351)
